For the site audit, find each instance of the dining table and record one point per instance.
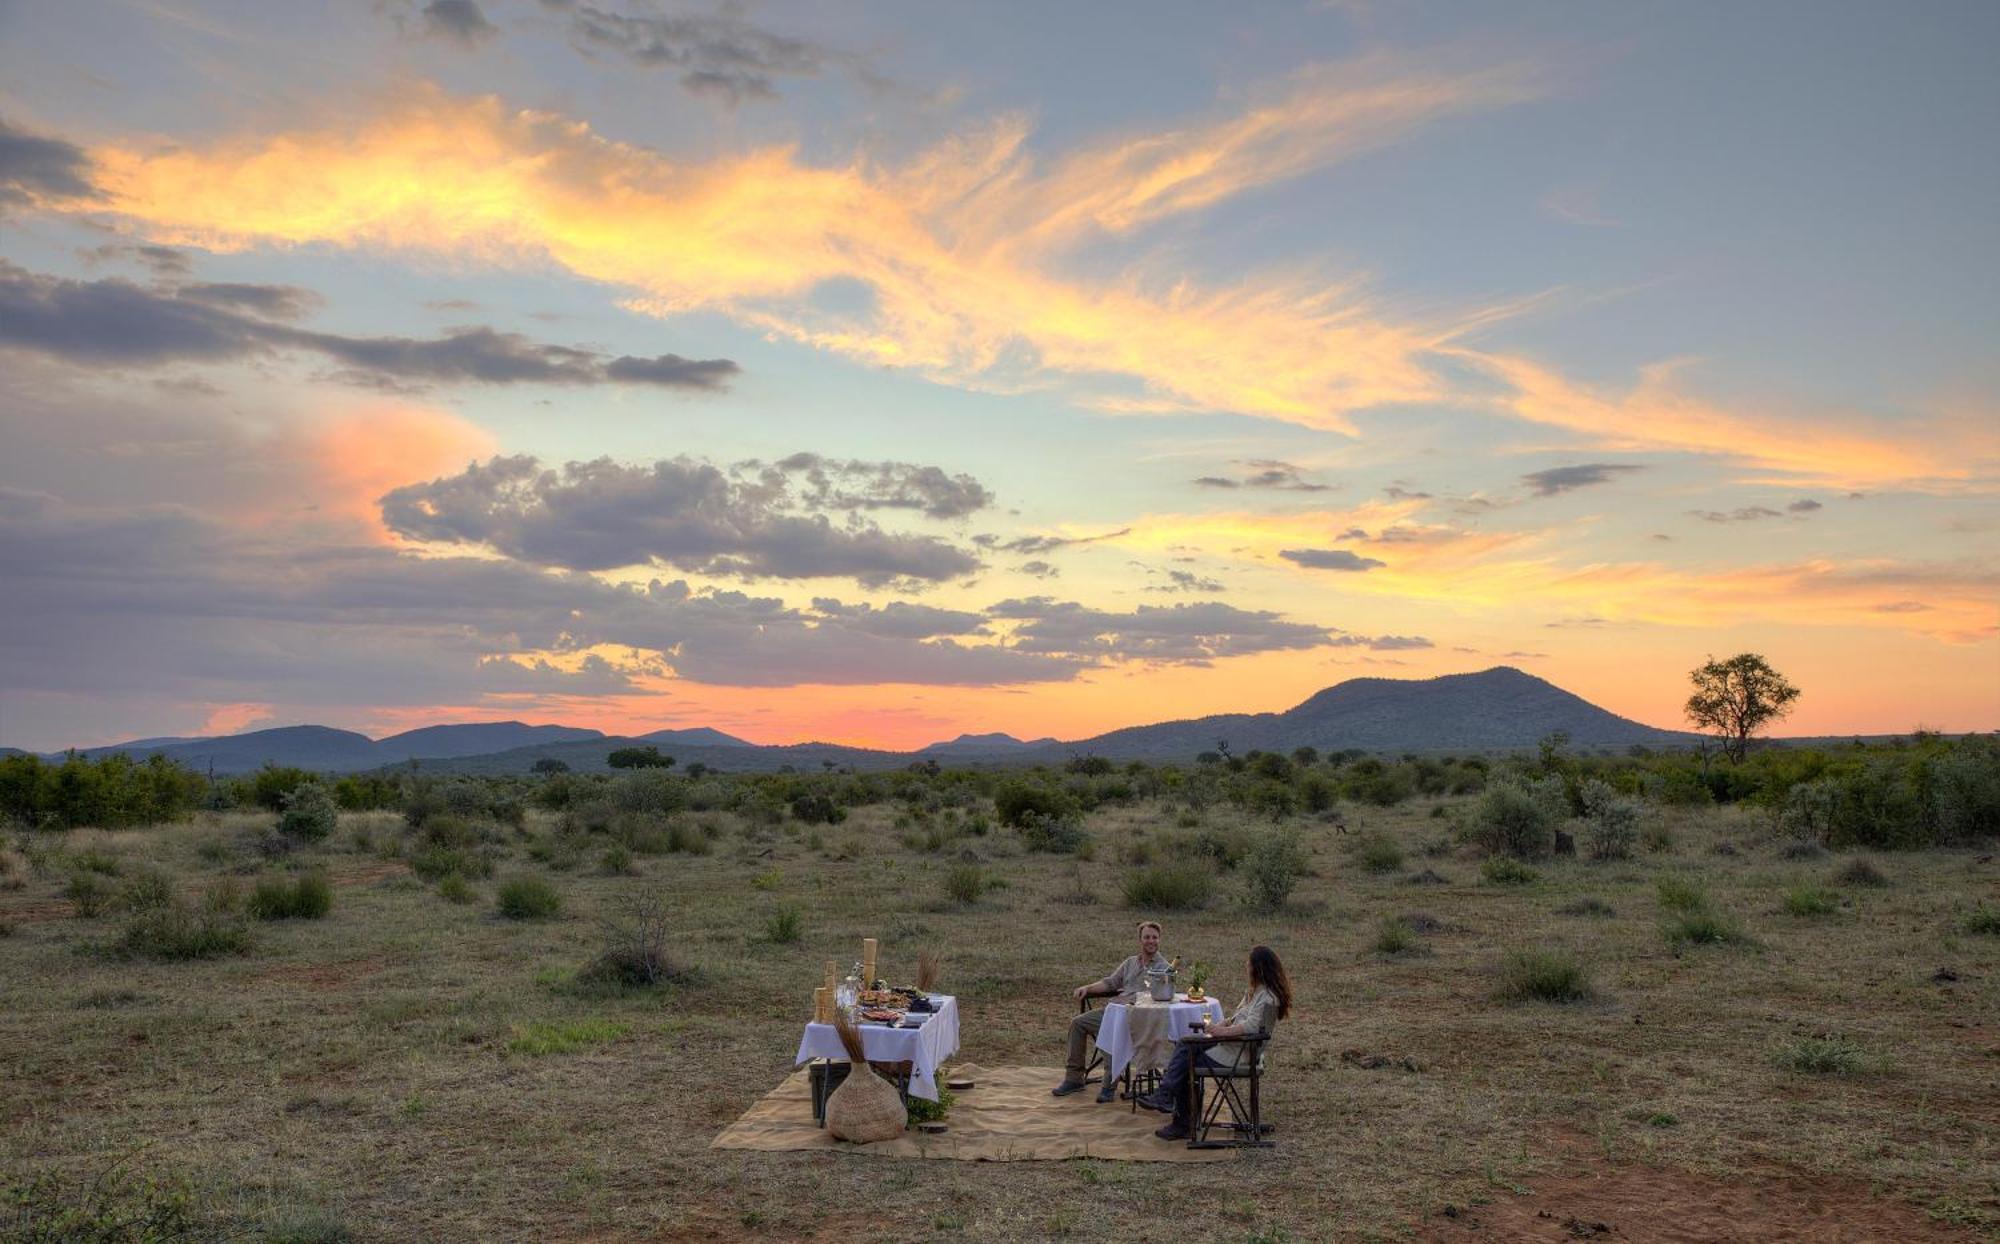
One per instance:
(1140, 1033)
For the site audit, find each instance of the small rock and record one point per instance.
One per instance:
(1943, 975)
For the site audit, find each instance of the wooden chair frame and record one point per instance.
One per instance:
(1245, 1109)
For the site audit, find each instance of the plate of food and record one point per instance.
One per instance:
(881, 1015)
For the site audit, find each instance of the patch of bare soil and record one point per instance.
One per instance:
(1602, 1201)
(326, 977)
(366, 873)
(39, 913)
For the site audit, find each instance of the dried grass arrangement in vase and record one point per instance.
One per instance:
(927, 972)
(865, 1107)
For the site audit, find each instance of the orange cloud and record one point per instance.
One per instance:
(353, 457)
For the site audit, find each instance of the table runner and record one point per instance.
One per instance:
(925, 1048)
(1143, 1034)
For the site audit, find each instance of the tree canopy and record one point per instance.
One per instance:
(1734, 699)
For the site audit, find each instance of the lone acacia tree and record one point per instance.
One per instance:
(1734, 699)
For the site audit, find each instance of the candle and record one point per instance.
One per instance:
(822, 1005)
(868, 963)
(832, 976)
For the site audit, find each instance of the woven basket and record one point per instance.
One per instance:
(865, 1107)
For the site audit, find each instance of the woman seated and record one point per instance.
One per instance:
(1268, 1000)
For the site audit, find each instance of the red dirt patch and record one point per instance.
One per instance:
(40, 913)
(326, 977)
(1611, 1203)
(366, 873)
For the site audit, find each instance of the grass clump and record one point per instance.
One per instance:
(1809, 901)
(1540, 975)
(1984, 920)
(563, 1036)
(1379, 853)
(786, 925)
(179, 930)
(1704, 927)
(89, 893)
(308, 898)
(1506, 870)
(143, 890)
(617, 861)
(636, 934)
(453, 888)
(1860, 871)
(1681, 894)
(964, 883)
(528, 898)
(1394, 936)
(1169, 887)
(437, 863)
(1825, 1056)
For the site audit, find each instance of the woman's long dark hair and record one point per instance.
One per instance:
(1265, 970)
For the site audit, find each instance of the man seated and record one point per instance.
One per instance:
(1128, 978)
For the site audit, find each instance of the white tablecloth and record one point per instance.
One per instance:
(925, 1048)
(1115, 1037)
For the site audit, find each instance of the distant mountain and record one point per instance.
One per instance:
(974, 745)
(1500, 709)
(697, 736)
(1494, 710)
(307, 747)
(478, 739)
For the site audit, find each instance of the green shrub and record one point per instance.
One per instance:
(436, 863)
(687, 838)
(103, 863)
(1810, 900)
(1168, 887)
(1511, 819)
(1824, 1056)
(1611, 823)
(617, 861)
(1983, 920)
(453, 888)
(1506, 870)
(180, 931)
(923, 1110)
(308, 898)
(527, 898)
(964, 883)
(89, 893)
(309, 813)
(147, 888)
(1379, 853)
(1533, 975)
(112, 1206)
(1681, 894)
(1015, 800)
(1860, 871)
(1272, 869)
(814, 808)
(786, 924)
(1058, 835)
(1394, 936)
(450, 830)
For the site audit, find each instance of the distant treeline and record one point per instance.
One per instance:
(1919, 791)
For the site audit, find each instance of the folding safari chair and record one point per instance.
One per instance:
(1236, 1087)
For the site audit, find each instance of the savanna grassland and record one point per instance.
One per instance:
(446, 1018)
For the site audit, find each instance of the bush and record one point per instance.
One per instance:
(1506, 870)
(814, 808)
(1860, 871)
(1824, 1056)
(110, 1207)
(1272, 869)
(436, 863)
(1379, 853)
(1394, 936)
(1543, 976)
(1681, 894)
(308, 898)
(1510, 819)
(923, 1110)
(89, 893)
(149, 888)
(1058, 835)
(1016, 800)
(635, 946)
(1984, 920)
(786, 925)
(1611, 821)
(1168, 887)
(528, 898)
(964, 883)
(1811, 900)
(310, 813)
(453, 888)
(617, 861)
(179, 931)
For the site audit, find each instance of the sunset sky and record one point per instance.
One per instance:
(876, 373)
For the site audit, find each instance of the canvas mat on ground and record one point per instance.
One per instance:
(1009, 1117)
